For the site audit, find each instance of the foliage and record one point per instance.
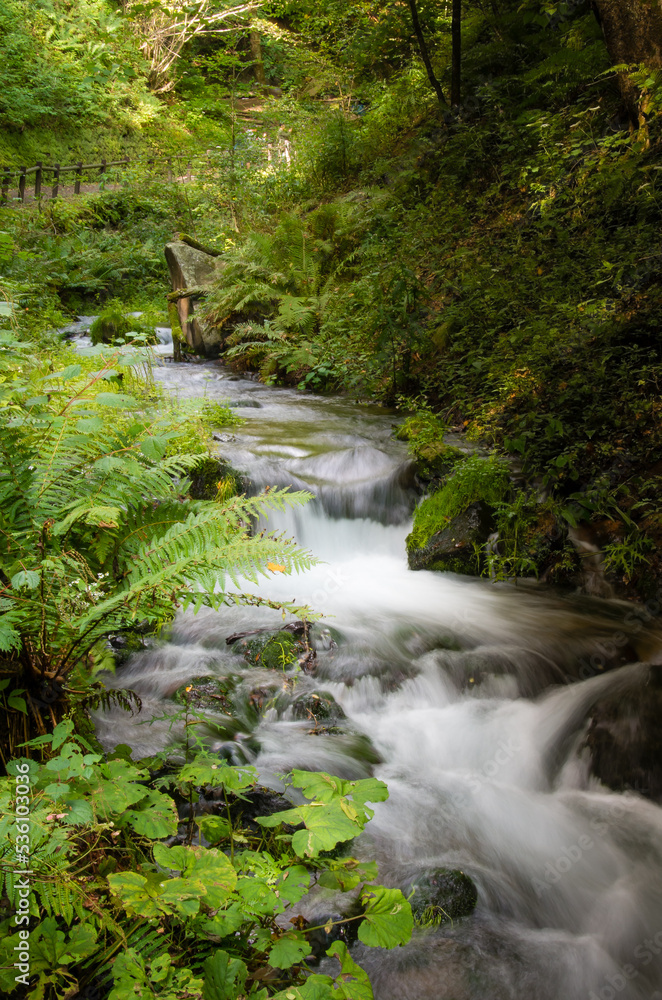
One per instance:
(169, 26)
(98, 527)
(102, 879)
(115, 326)
(424, 431)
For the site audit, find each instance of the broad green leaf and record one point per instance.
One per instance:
(288, 950)
(114, 788)
(225, 922)
(210, 867)
(326, 826)
(353, 982)
(387, 919)
(15, 701)
(154, 448)
(224, 977)
(118, 400)
(258, 897)
(234, 779)
(319, 786)
(214, 869)
(315, 988)
(340, 880)
(181, 895)
(61, 733)
(174, 859)
(135, 894)
(90, 425)
(83, 940)
(80, 813)
(214, 828)
(293, 883)
(27, 578)
(71, 371)
(156, 818)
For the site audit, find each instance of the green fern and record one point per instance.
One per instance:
(98, 530)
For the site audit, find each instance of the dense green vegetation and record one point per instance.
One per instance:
(492, 268)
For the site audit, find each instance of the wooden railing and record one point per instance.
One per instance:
(26, 179)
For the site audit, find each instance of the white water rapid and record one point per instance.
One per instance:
(470, 696)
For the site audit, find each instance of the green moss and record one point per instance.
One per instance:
(441, 896)
(274, 652)
(475, 479)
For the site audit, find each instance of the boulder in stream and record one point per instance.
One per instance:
(453, 548)
(194, 271)
(624, 738)
(441, 895)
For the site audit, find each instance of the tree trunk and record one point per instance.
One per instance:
(633, 34)
(425, 55)
(256, 56)
(456, 70)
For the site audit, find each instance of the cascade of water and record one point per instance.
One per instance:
(462, 689)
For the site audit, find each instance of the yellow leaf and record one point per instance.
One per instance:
(275, 568)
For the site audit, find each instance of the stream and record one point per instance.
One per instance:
(461, 688)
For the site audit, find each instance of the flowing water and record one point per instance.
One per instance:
(462, 688)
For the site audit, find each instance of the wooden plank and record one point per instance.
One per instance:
(56, 180)
(21, 183)
(37, 182)
(79, 172)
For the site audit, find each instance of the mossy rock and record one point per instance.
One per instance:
(425, 434)
(452, 548)
(273, 652)
(318, 707)
(207, 692)
(441, 895)
(125, 644)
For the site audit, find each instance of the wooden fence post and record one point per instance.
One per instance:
(169, 169)
(188, 172)
(37, 181)
(79, 173)
(6, 181)
(21, 183)
(56, 180)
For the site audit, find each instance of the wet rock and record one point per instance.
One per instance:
(125, 644)
(192, 269)
(452, 550)
(624, 739)
(273, 652)
(441, 895)
(236, 404)
(209, 692)
(318, 708)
